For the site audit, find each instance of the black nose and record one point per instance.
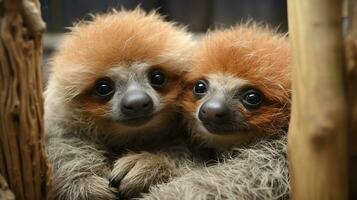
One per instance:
(214, 110)
(136, 103)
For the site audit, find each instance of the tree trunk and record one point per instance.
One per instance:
(351, 76)
(23, 161)
(317, 141)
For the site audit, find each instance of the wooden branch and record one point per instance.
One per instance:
(317, 146)
(351, 72)
(32, 17)
(23, 160)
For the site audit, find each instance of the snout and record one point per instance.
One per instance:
(217, 117)
(214, 111)
(136, 104)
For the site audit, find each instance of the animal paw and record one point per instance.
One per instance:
(133, 174)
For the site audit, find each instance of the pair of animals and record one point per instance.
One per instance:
(132, 102)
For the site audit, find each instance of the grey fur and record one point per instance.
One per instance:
(257, 172)
(80, 169)
(83, 169)
(136, 172)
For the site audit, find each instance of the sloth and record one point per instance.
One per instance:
(236, 105)
(111, 105)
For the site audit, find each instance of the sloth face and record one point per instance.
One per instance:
(119, 75)
(133, 95)
(223, 101)
(239, 87)
(225, 104)
(225, 109)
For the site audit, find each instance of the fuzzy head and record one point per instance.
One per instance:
(239, 87)
(118, 73)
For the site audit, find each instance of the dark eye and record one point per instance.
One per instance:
(104, 89)
(252, 98)
(157, 79)
(200, 87)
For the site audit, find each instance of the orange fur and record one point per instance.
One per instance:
(121, 36)
(255, 54)
(118, 39)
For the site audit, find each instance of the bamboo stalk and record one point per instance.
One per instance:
(23, 160)
(317, 146)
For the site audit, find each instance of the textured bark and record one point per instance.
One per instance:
(23, 161)
(317, 143)
(351, 76)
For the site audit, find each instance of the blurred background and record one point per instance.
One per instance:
(198, 15)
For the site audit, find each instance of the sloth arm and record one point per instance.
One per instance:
(80, 168)
(257, 172)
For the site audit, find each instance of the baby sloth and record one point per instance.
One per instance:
(113, 86)
(237, 102)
